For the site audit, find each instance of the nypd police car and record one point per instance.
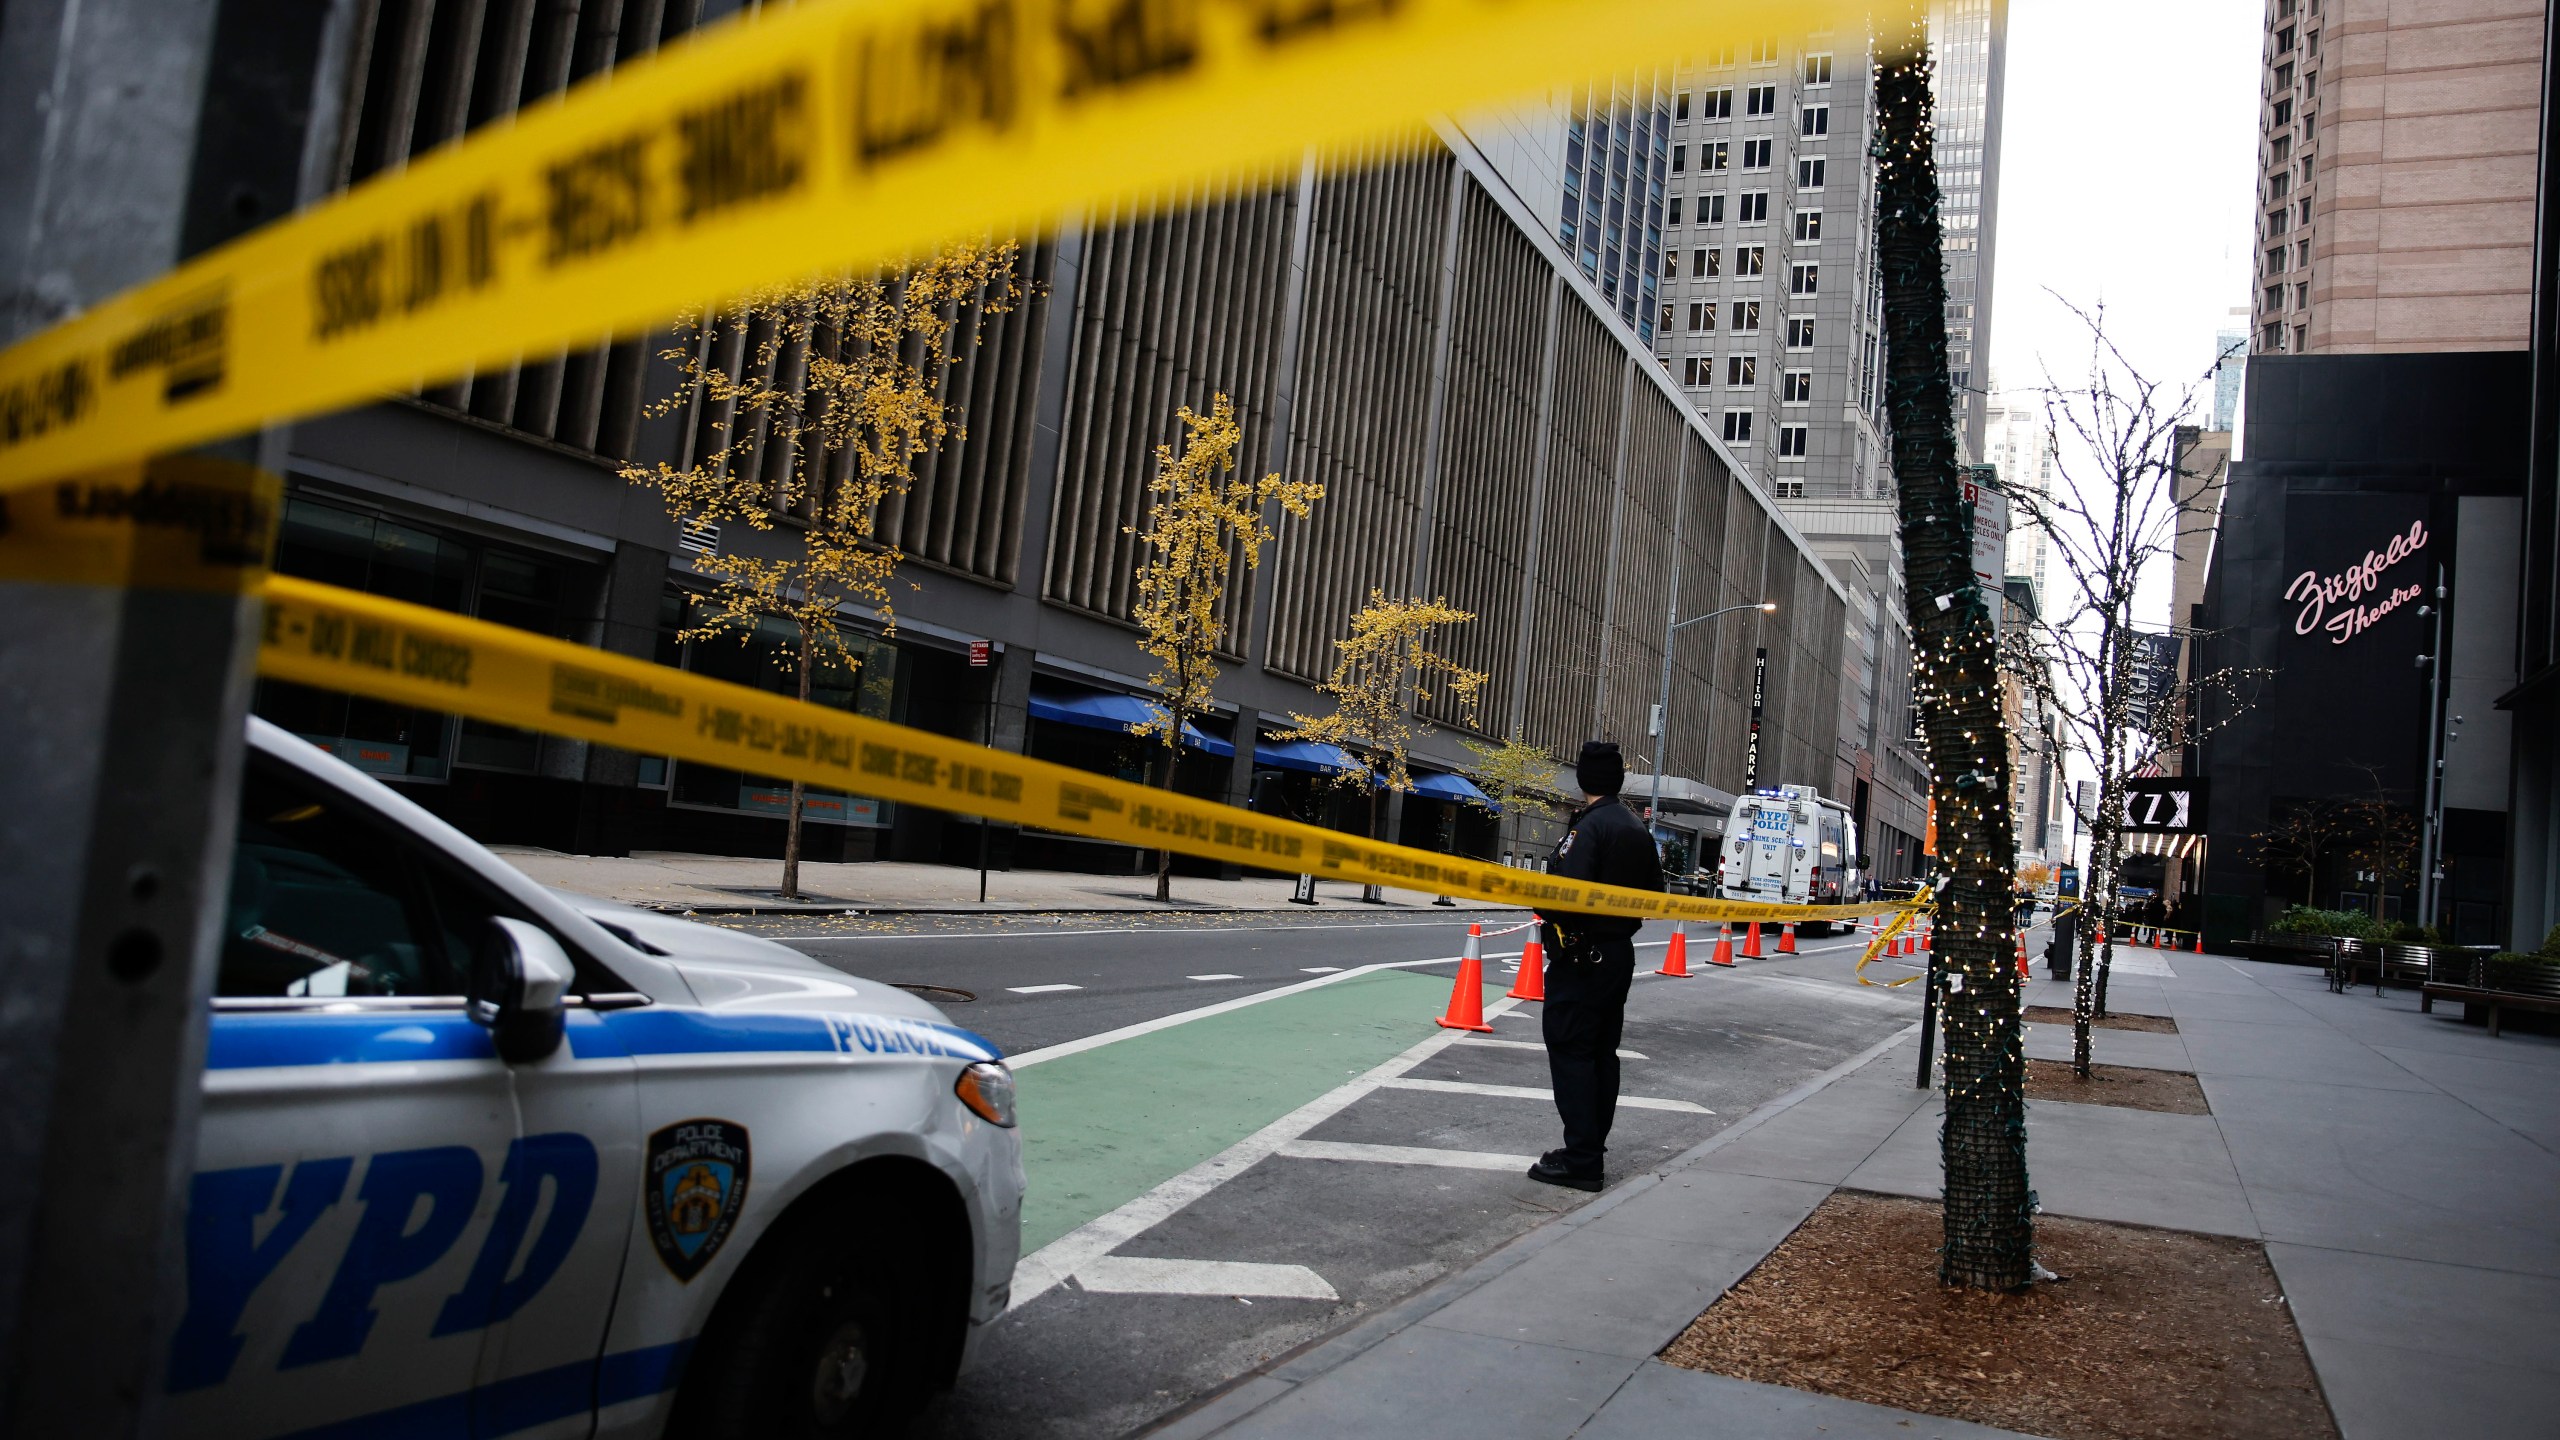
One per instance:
(479, 1159)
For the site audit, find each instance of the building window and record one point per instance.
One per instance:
(1799, 332)
(1712, 156)
(2279, 220)
(2275, 260)
(1675, 210)
(1698, 370)
(2274, 297)
(2303, 256)
(1746, 317)
(2279, 185)
(1817, 120)
(1742, 369)
(1666, 319)
(1680, 106)
(1702, 316)
(1808, 225)
(1786, 489)
(1817, 69)
(1710, 209)
(2280, 150)
(1755, 208)
(2306, 212)
(2284, 76)
(2302, 296)
(2271, 336)
(1805, 279)
(1760, 100)
(1750, 259)
(1796, 387)
(1763, 52)
(2301, 336)
(1715, 104)
(1755, 153)
(1809, 173)
(1671, 262)
(1679, 159)
(1737, 427)
(2284, 112)
(1706, 264)
(1791, 441)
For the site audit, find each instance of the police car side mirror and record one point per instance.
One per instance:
(519, 979)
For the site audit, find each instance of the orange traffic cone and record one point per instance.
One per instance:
(1532, 984)
(2023, 972)
(2199, 942)
(2155, 939)
(1924, 938)
(1675, 961)
(1466, 998)
(1724, 947)
(1751, 942)
(1786, 939)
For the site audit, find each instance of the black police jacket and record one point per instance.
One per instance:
(1606, 844)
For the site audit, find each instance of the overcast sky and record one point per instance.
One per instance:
(2126, 167)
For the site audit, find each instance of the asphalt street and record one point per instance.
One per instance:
(1245, 1131)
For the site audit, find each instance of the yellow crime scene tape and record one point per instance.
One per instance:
(389, 650)
(796, 141)
(1906, 914)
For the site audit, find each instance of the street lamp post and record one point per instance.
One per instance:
(1672, 625)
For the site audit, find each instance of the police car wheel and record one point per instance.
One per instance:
(812, 1355)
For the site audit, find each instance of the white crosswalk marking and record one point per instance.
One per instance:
(1213, 977)
(1405, 1155)
(1319, 969)
(1040, 989)
(1535, 1092)
(1137, 1275)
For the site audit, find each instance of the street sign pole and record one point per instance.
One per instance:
(980, 652)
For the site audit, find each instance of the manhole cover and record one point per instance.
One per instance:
(938, 994)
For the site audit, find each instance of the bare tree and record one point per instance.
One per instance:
(2122, 498)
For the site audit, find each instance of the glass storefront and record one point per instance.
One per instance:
(345, 545)
(861, 676)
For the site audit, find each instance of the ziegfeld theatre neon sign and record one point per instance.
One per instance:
(2348, 603)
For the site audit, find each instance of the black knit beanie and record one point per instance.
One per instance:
(1600, 771)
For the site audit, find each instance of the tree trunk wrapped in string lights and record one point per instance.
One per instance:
(1989, 1234)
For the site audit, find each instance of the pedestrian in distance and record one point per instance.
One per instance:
(1591, 961)
(2061, 951)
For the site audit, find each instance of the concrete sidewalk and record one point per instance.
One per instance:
(2399, 1168)
(728, 885)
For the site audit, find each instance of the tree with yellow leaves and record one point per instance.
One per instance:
(1382, 676)
(816, 400)
(1202, 518)
(1515, 775)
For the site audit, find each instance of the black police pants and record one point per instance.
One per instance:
(1584, 1018)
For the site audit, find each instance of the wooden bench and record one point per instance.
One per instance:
(2492, 987)
(2318, 950)
(2387, 962)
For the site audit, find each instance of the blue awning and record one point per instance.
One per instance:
(1124, 713)
(1457, 788)
(1313, 757)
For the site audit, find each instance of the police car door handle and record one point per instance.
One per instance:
(519, 983)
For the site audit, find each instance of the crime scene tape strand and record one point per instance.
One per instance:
(796, 141)
(337, 639)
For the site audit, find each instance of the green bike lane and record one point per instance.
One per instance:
(1103, 1126)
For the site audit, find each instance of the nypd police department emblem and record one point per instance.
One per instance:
(695, 1185)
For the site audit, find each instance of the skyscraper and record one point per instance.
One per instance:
(1969, 40)
(2230, 364)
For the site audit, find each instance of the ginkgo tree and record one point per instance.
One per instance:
(1382, 677)
(816, 401)
(1514, 775)
(1202, 519)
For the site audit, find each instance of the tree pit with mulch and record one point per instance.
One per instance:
(2147, 1024)
(2172, 1092)
(2149, 1335)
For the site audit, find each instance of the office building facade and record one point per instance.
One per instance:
(1485, 428)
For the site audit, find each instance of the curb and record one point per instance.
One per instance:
(1246, 1393)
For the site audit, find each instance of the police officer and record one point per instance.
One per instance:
(1591, 960)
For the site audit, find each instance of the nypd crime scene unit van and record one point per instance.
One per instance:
(1790, 846)
(481, 1159)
